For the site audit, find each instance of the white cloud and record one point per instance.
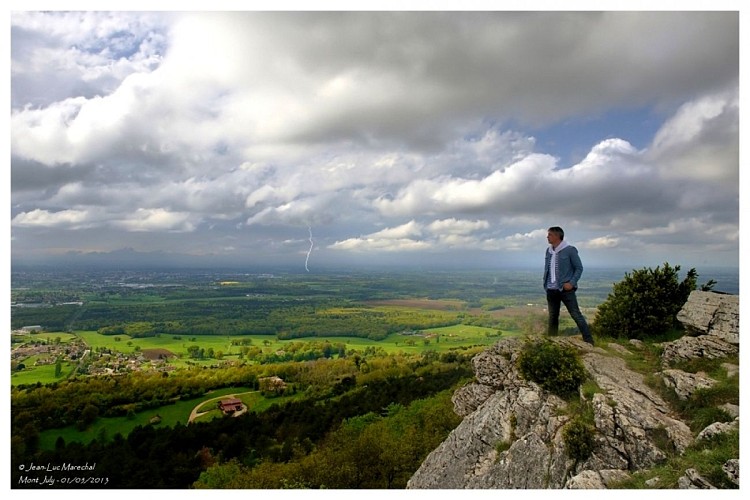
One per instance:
(157, 219)
(407, 230)
(453, 226)
(602, 242)
(439, 235)
(72, 219)
(380, 245)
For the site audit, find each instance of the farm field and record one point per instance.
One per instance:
(43, 374)
(436, 339)
(449, 336)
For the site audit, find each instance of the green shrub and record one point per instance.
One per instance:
(645, 303)
(578, 436)
(555, 368)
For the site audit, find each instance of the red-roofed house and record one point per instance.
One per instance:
(229, 406)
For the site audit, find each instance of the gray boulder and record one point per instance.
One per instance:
(718, 428)
(687, 348)
(591, 480)
(685, 384)
(692, 480)
(710, 313)
(732, 469)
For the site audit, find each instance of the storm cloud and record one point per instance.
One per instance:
(406, 134)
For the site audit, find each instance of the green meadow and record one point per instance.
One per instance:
(438, 339)
(435, 339)
(164, 416)
(44, 374)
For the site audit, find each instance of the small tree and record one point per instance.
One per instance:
(645, 303)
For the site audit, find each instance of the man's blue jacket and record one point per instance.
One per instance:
(569, 267)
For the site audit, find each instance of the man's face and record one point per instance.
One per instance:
(553, 238)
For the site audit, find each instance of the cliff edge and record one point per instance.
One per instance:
(513, 431)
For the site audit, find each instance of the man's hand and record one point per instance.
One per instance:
(567, 286)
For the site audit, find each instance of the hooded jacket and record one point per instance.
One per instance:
(569, 267)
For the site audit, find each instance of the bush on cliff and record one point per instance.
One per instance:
(554, 367)
(578, 436)
(645, 303)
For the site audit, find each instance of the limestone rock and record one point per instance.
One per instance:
(732, 410)
(705, 346)
(653, 482)
(710, 313)
(732, 469)
(685, 384)
(692, 480)
(718, 428)
(468, 457)
(618, 348)
(496, 366)
(590, 479)
(512, 432)
(629, 418)
(586, 480)
(469, 397)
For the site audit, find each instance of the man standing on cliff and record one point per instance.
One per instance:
(562, 270)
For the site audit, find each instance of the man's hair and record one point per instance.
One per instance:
(558, 231)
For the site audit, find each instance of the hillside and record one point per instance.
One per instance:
(645, 411)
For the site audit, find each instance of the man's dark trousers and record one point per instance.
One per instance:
(554, 298)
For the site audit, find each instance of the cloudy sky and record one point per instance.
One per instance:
(417, 138)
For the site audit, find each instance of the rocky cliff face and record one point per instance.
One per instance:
(512, 432)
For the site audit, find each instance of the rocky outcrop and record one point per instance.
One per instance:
(712, 322)
(685, 384)
(732, 470)
(710, 313)
(591, 480)
(512, 435)
(717, 428)
(692, 480)
(705, 346)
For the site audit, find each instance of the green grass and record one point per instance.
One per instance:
(171, 415)
(707, 458)
(208, 409)
(178, 345)
(44, 374)
(698, 411)
(52, 337)
(451, 336)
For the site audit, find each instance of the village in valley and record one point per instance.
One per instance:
(84, 361)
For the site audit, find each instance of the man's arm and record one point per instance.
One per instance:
(577, 265)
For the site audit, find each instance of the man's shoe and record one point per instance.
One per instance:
(589, 341)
